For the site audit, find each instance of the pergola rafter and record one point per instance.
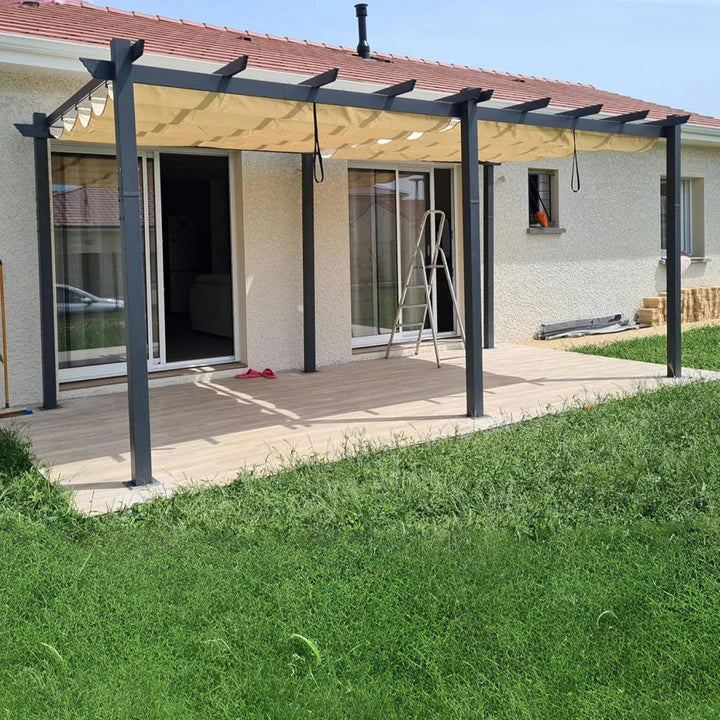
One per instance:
(523, 107)
(324, 78)
(466, 105)
(582, 112)
(235, 67)
(399, 89)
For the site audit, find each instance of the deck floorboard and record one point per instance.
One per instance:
(207, 432)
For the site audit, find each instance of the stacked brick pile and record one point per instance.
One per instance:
(697, 304)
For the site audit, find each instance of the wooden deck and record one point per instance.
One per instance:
(207, 432)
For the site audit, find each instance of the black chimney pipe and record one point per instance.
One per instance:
(363, 48)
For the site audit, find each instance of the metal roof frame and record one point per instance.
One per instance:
(315, 90)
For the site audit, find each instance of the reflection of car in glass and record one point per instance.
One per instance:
(74, 300)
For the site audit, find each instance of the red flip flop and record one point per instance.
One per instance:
(249, 374)
(268, 373)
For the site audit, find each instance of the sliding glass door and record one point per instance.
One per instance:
(386, 210)
(188, 273)
(373, 251)
(88, 263)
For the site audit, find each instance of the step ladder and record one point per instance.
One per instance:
(417, 278)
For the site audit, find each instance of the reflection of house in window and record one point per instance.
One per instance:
(88, 259)
(87, 226)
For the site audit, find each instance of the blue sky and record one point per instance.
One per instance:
(658, 50)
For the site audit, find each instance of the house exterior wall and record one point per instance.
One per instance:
(605, 262)
(332, 266)
(271, 245)
(608, 258)
(21, 94)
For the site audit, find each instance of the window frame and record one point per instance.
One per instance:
(552, 199)
(692, 216)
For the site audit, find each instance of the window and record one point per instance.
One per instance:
(386, 210)
(691, 215)
(542, 198)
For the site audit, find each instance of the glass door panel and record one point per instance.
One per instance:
(386, 211)
(88, 264)
(413, 201)
(373, 251)
(151, 258)
(88, 261)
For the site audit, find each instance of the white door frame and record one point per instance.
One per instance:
(91, 372)
(426, 168)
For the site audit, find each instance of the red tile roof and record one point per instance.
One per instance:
(76, 21)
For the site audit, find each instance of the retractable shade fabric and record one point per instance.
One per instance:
(175, 117)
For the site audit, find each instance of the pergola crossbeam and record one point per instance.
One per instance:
(324, 78)
(399, 89)
(233, 68)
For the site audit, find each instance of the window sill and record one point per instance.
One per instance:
(693, 260)
(545, 231)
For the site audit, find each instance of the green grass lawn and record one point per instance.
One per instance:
(701, 348)
(564, 568)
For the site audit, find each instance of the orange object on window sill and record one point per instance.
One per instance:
(542, 218)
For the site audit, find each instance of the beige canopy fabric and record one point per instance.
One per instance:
(173, 117)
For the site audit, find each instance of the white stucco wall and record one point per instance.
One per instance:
(21, 94)
(608, 258)
(271, 244)
(332, 266)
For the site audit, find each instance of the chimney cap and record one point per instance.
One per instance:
(363, 47)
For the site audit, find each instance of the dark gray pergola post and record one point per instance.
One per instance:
(123, 53)
(672, 244)
(488, 222)
(308, 254)
(45, 267)
(471, 257)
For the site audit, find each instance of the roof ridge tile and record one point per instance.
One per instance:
(119, 11)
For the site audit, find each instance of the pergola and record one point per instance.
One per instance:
(222, 110)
